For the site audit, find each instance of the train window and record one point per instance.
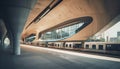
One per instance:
(87, 46)
(93, 46)
(66, 31)
(108, 45)
(70, 45)
(100, 47)
(78, 45)
(66, 45)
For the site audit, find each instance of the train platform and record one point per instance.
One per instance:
(45, 58)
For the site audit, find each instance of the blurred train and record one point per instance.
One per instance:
(65, 45)
(73, 45)
(103, 47)
(107, 46)
(86, 46)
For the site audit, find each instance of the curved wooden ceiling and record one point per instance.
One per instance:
(102, 11)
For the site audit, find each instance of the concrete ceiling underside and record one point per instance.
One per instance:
(102, 12)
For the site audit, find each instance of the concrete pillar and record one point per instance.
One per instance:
(9, 34)
(3, 32)
(16, 45)
(37, 36)
(15, 14)
(2, 43)
(24, 41)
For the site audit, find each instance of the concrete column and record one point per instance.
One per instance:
(24, 41)
(3, 32)
(37, 36)
(16, 45)
(2, 44)
(15, 15)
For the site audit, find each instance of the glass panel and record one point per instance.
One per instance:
(93, 46)
(62, 33)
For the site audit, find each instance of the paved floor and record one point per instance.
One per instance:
(43, 58)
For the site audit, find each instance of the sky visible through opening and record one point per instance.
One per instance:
(112, 32)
